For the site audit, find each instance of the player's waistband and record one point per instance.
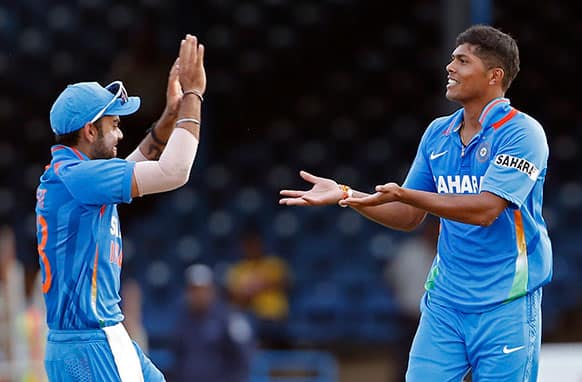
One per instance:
(76, 335)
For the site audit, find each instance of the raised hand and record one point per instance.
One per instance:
(174, 91)
(389, 192)
(324, 191)
(191, 72)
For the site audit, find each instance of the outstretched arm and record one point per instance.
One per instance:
(396, 215)
(325, 191)
(477, 209)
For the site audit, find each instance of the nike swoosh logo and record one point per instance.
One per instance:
(435, 156)
(507, 350)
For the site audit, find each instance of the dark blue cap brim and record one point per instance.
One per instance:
(129, 107)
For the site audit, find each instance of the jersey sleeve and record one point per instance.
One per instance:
(101, 181)
(517, 163)
(420, 174)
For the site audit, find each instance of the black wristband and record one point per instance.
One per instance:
(154, 136)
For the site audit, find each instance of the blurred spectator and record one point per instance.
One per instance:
(213, 342)
(131, 298)
(258, 283)
(406, 273)
(32, 331)
(8, 306)
(22, 326)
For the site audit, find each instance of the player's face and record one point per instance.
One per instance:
(468, 77)
(107, 139)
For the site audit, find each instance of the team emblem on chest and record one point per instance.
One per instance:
(483, 151)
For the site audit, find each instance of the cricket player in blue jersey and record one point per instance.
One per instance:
(481, 170)
(79, 235)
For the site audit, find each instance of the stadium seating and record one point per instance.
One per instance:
(294, 366)
(292, 85)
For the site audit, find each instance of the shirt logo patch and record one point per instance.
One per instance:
(520, 164)
(507, 350)
(457, 184)
(435, 156)
(483, 152)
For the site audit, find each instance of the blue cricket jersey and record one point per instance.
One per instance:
(477, 268)
(79, 238)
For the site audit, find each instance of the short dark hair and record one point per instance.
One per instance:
(72, 138)
(495, 48)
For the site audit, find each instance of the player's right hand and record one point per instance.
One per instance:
(324, 192)
(192, 75)
(385, 193)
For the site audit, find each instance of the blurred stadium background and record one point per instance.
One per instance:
(343, 88)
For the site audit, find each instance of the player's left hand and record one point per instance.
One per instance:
(386, 193)
(324, 192)
(174, 90)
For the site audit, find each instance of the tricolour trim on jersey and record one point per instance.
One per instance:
(503, 120)
(56, 167)
(62, 147)
(94, 282)
(57, 148)
(78, 153)
(452, 126)
(491, 106)
(519, 285)
(433, 273)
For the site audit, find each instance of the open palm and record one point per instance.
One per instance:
(324, 191)
(174, 91)
(385, 193)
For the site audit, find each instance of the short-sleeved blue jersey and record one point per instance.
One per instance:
(79, 238)
(478, 267)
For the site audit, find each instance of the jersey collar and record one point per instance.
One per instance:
(65, 152)
(494, 111)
